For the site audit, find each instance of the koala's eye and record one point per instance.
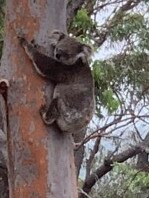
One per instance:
(58, 56)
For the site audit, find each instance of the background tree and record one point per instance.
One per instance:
(120, 36)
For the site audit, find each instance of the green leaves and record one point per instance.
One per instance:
(104, 75)
(82, 19)
(131, 179)
(83, 22)
(130, 25)
(144, 39)
(98, 71)
(110, 101)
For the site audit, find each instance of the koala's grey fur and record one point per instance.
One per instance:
(72, 106)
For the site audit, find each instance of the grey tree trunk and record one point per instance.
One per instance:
(143, 159)
(41, 161)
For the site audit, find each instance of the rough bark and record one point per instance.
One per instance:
(41, 162)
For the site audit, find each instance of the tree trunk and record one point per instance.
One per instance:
(79, 154)
(41, 161)
(143, 160)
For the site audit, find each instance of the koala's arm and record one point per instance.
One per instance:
(45, 66)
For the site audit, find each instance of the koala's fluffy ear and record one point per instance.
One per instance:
(55, 36)
(59, 34)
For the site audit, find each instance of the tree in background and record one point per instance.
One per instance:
(119, 33)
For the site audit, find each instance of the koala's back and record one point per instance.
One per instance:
(75, 89)
(75, 100)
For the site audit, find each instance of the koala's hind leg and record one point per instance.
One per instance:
(50, 114)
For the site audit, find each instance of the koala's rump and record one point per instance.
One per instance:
(75, 105)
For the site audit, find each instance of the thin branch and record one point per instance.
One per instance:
(98, 8)
(96, 133)
(92, 155)
(119, 14)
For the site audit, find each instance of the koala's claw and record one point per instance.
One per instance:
(34, 44)
(22, 40)
(47, 119)
(4, 84)
(43, 109)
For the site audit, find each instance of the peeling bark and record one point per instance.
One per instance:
(40, 158)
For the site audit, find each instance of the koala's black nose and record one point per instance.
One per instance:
(58, 56)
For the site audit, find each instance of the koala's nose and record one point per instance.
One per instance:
(58, 56)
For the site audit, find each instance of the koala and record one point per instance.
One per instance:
(72, 105)
(68, 50)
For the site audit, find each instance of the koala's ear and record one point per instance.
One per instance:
(87, 50)
(60, 35)
(56, 36)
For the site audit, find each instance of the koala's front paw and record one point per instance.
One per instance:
(43, 110)
(22, 40)
(4, 84)
(48, 120)
(34, 44)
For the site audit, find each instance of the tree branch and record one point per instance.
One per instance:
(108, 166)
(103, 33)
(72, 7)
(92, 155)
(79, 154)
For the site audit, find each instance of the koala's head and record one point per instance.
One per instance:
(68, 50)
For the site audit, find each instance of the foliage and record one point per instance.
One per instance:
(128, 30)
(119, 33)
(82, 20)
(124, 181)
(103, 70)
(83, 25)
(130, 66)
(130, 25)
